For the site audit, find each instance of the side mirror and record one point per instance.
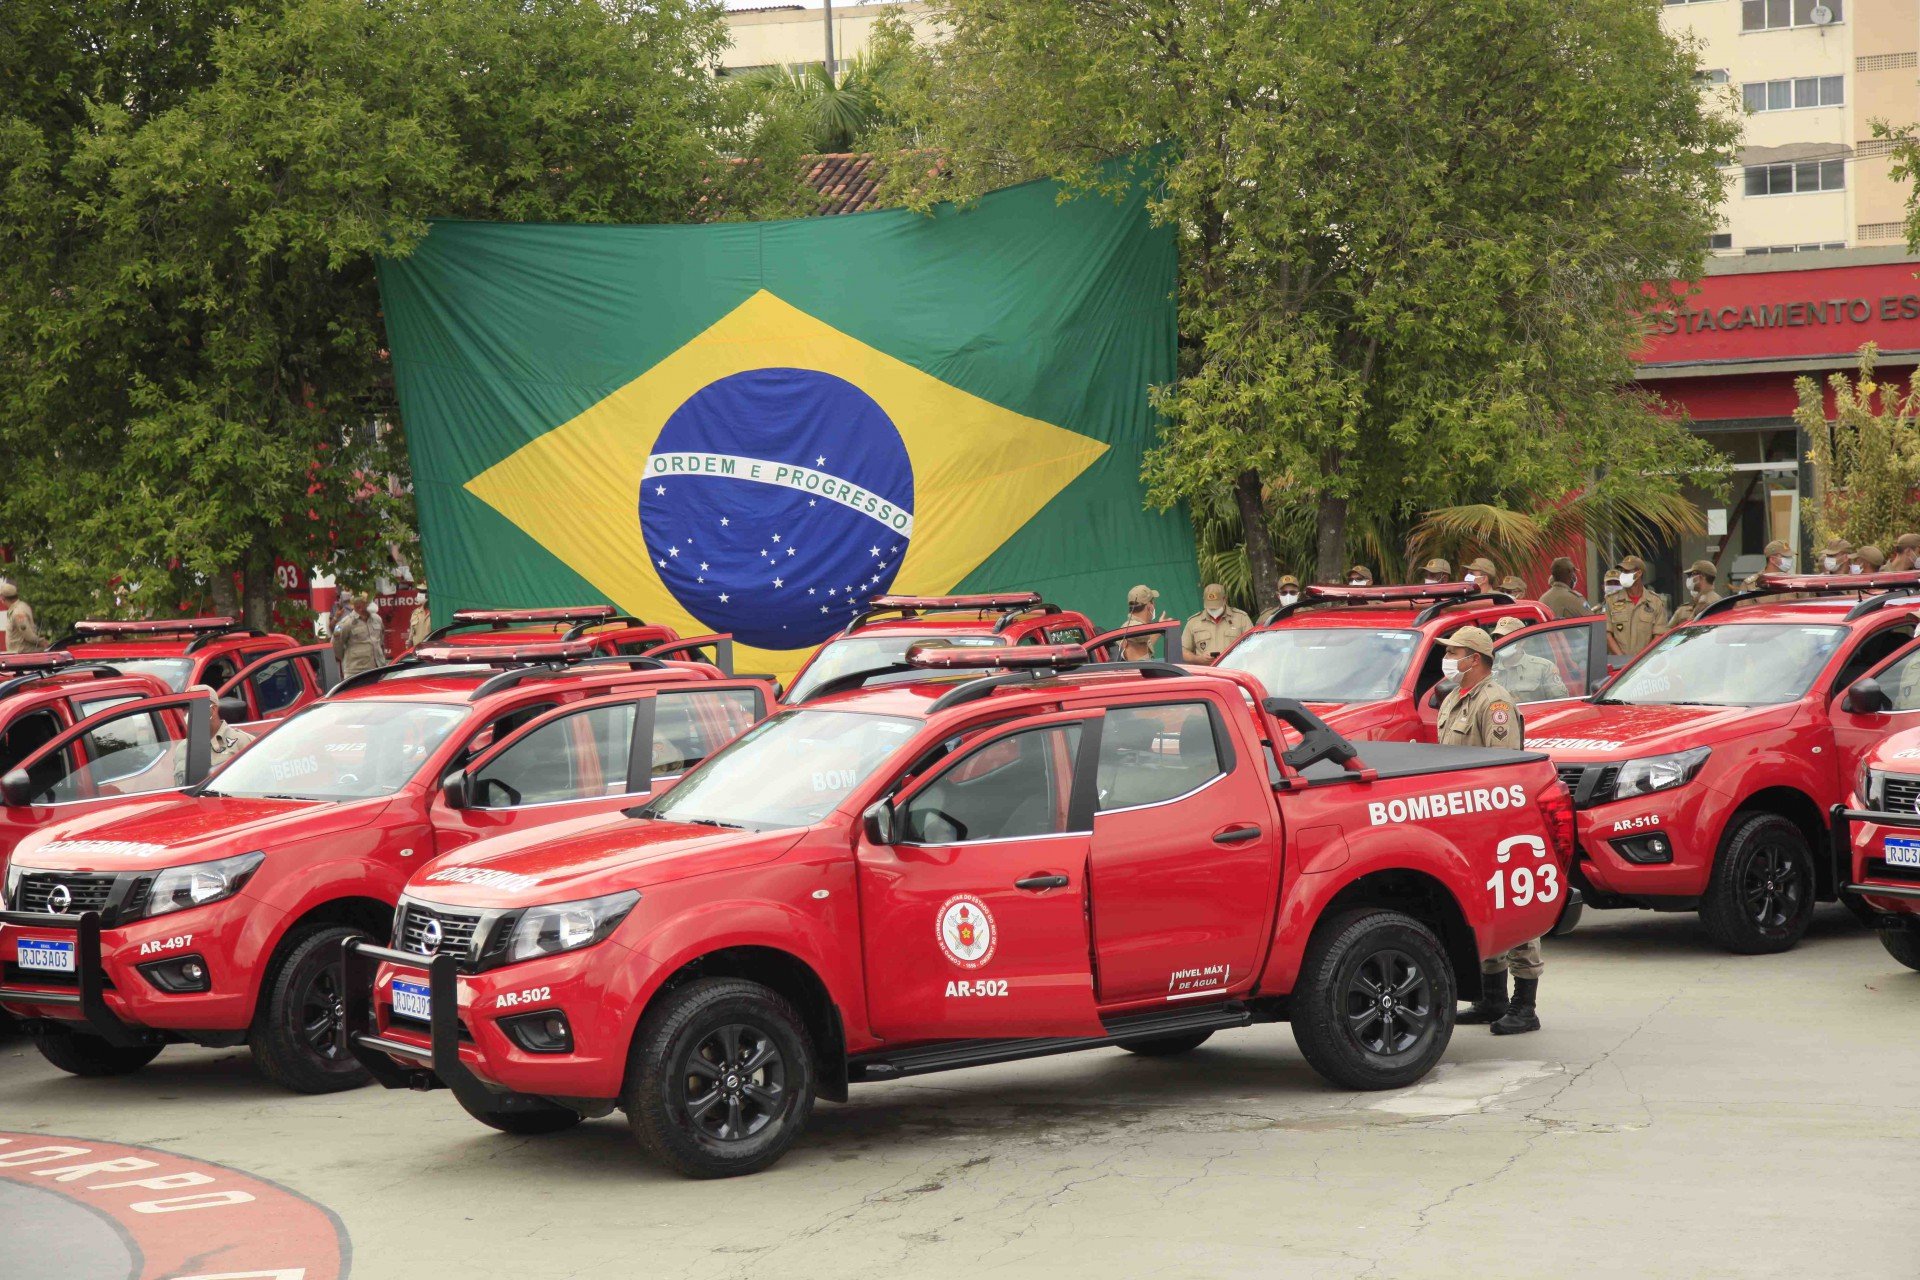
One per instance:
(457, 789)
(233, 709)
(779, 690)
(1865, 698)
(1438, 694)
(878, 822)
(16, 789)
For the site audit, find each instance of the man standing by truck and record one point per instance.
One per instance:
(1635, 615)
(356, 640)
(1561, 599)
(1212, 631)
(1479, 713)
(23, 636)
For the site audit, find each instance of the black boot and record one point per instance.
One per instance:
(1520, 1016)
(1491, 1004)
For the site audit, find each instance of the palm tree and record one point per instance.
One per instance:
(837, 112)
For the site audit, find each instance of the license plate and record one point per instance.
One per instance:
(1899, 851)
(47, 954)
(412, 1000)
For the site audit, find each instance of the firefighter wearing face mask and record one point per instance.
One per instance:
(1779, 557)
(1609, 587)
(1139, 610)
(1516, 586)
(1867, 559)
(1359, 576)
(1701, 575)
(1436, 570)
(1906, 554)
(1482, 714)
(1636, 614)
(1289, 589)
(1481, 574)
(1528, 676)
(1835, 556)
(1212, 631)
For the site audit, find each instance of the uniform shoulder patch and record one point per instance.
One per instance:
(1500, 712)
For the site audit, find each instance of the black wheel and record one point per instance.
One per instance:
(527, 1117)
(298, 1037)
(1903, 944)
(1760, 898)
(1167, 1046)
(80, 1054)
(1374, 1007)
(721, 1078)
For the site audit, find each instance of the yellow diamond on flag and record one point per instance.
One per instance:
(771, 475)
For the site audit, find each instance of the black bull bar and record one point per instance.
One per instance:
(438, 1066)
(1840, 834)
(88, 995)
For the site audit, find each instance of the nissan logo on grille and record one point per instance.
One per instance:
(429, 936)
(59, 898)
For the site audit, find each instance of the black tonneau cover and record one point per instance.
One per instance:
(1417, 759)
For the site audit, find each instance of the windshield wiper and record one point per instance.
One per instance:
(713, 822)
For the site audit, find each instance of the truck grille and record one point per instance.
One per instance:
(456, 932)
(1900, 794)
(1590, 784)
(84, 892)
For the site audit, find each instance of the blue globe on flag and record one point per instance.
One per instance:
(775, 503)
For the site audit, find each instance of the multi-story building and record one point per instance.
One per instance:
(1810, 77)
(787, 35)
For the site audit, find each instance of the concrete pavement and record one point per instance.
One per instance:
(1685, 1113)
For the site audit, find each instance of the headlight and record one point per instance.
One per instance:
(199, 883)
(1658, 773)
(567, 926)
(1870, 787)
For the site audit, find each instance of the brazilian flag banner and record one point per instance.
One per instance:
(756, 427)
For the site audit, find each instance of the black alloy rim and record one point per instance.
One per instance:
(323, 1011)
(735, 1083)
(1388, 1004)
(1772, 886)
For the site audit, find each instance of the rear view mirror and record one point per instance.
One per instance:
(233, 709)
(457, 790)
(878, 822)
(16, 789)
(1865, 698)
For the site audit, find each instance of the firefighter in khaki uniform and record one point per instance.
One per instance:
(1359, 576)
(1212, 631)
(1561, 599)
(1834, 558)
(356, 640)
(1527, 676)
(1700, 579)
(1436, 570)
(1481, 714)
(420, 625)
(23, 636)
(1635, 615)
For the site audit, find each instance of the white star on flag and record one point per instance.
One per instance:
(703, 566)
(673, 551)
(723, 597)
(873, 551)
(776, 537)
(820, 461)
(660, 489)
(778, 583)
(723, 522)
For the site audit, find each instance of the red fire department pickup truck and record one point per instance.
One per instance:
(610, 631)
(874, 645)
(1876, 839)
(215, 916)
(1367, 659)
(1703, 773)
(1041, 856)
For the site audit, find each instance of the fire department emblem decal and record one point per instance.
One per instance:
(966, 931)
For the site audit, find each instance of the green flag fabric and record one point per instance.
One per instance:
(756, 427)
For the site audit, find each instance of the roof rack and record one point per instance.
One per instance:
(522, 662)
(1007, 619)
(974, 690)
(583, 615)
(1433, 611)
(544, 671)
(914, 606)
(580, 629)
(721, 642)
(101, 628)
(1411, 593)
(1899, 585)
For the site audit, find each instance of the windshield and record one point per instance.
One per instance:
(789, 771)
(172, 672)
(870, 653)
(1730, 665)
(340, 751)
(1326, 664)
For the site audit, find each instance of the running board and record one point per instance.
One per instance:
(953, 1054)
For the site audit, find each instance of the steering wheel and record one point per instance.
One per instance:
(348, 780)
(489, 785)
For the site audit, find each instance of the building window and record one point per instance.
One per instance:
(1718, 75)
(1797, 178)
(1719, 240)
(1882, 230)
(1765, 249)
(1671, 3)
(1777, 15)
(1795, 95)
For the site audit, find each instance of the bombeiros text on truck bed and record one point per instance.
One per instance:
(1018, 853)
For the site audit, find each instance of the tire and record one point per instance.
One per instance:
(1760, 898)
(533, 1116)
(1903, 944)
(79, 1054)
(1167, 1046)
(1354, 961)
(296, 1037)
(705, 1020)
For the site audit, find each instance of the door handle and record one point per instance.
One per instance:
(1035, 884)
(1237, 835)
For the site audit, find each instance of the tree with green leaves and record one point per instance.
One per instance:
(193, 200)
(1866, 454)
(836, 111)
(1414, 236)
